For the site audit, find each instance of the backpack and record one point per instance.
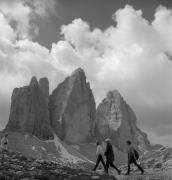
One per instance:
(136, 154)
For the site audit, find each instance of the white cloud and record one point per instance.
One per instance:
(22, 13)
(132, 56)
(18, 15)
(65, 57)
(6, 32)
(163, 25)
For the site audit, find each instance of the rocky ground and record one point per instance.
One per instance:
(157, 164)
(15, 166)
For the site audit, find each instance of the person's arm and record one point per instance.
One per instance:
(134, 153)
(97, 150)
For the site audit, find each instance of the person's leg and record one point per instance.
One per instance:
(102, 161)
(112, 165)
(139, 167)
(128, 172)
(97, 163)
(6, 148)
(107, 166)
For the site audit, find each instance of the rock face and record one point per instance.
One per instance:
(116, 120)
(72, 109)
(29, 110)
(70, 113)
(44, 85)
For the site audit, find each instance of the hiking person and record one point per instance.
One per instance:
(4, 142)
(133, 156)
(99, 154)
(110, 156)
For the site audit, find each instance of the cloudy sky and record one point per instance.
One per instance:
(124, 45)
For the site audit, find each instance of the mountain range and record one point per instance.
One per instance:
(69, 120)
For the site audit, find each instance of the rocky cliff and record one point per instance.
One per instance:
(44, 85)
(115, 119)
(72, 109)
(70, 113)
(29, 110)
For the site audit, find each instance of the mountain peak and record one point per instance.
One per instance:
(72, 109)
(29, 111)
(43, 79)
(44, 85)
(78, 71)
(113, 94)
(33, 81)
(116, 119)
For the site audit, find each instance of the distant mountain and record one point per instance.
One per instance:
(115, 119)
(72, 109)
(29, 110)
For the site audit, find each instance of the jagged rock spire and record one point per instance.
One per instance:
(29, 111)
(72, 109)
(115, 119)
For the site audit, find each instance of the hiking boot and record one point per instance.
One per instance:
(127, 173)
(142, 172)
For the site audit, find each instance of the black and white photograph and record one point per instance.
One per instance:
(85, 89)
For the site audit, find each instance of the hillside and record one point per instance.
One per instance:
(16, 166)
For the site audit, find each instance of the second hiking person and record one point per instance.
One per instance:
(110, 156)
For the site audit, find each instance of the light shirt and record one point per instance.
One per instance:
(99, 150)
